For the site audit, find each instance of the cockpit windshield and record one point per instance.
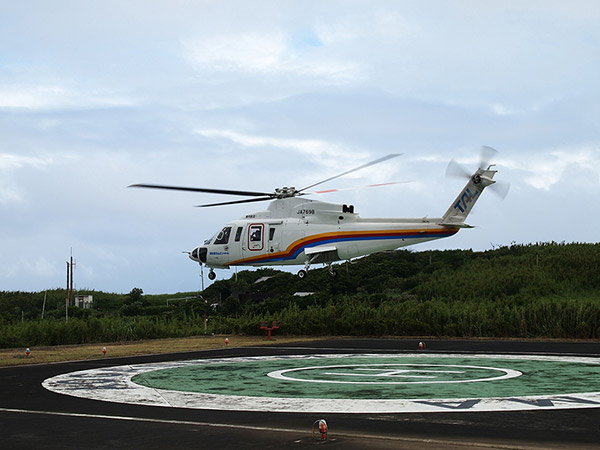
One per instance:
(223, 236)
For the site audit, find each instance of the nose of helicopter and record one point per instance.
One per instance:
(199, 254)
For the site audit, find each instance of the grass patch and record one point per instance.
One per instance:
(62, 353)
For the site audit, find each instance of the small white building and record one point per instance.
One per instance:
(83, 301)
(303, 294)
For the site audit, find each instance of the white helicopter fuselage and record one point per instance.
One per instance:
(296, 231)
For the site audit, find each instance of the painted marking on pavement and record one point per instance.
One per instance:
(515, 382)
(440, 443)
(384, 372)
(151, 420)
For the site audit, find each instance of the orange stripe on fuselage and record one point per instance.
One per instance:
(294, 249)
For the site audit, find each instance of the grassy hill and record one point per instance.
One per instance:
(546, 290)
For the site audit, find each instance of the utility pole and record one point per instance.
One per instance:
(70, 266)
(73, 264)
(67, 299)
(202, 276)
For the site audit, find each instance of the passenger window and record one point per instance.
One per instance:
(255, 237)
(238, 234)
(255, 233)
(223, 236)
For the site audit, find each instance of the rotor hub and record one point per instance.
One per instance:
(286, 192)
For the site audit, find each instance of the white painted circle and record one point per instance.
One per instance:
(114, 384)
(507, 373)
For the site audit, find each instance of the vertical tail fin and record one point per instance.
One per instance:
(462, 206)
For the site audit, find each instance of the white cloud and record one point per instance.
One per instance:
(11, 186)
(539, 105)
(9, 194)
(43, 97)
(503, 110)
(33, 97)
(313, 147)
(265, 54)
(383, 24)
(546, 170)
(36, 267)
(329, 154)
(251, 52)
(327, 159)
(9, 161)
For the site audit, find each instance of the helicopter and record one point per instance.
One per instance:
(298, 231)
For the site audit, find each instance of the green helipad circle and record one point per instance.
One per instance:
(379, 377)
(348, 383)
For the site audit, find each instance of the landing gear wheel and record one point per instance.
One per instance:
(212, 275)
(302, 274)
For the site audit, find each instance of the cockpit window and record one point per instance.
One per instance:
(223, 236)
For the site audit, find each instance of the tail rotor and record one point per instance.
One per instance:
(487, 154)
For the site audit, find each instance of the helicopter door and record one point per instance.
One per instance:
(235, 249)
(256, 237)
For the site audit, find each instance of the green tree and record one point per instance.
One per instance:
(135, 295)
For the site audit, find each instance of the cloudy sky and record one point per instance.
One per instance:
(95, 96)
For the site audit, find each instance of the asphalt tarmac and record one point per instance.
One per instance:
(33, 417)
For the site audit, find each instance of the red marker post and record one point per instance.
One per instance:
(323, 428)
(103, 351)
(27, 352)
(226, 342)
(320, 427)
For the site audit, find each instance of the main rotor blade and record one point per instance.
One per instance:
(372, 163)
(262, 199)
(327, 191)
(210, 191)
